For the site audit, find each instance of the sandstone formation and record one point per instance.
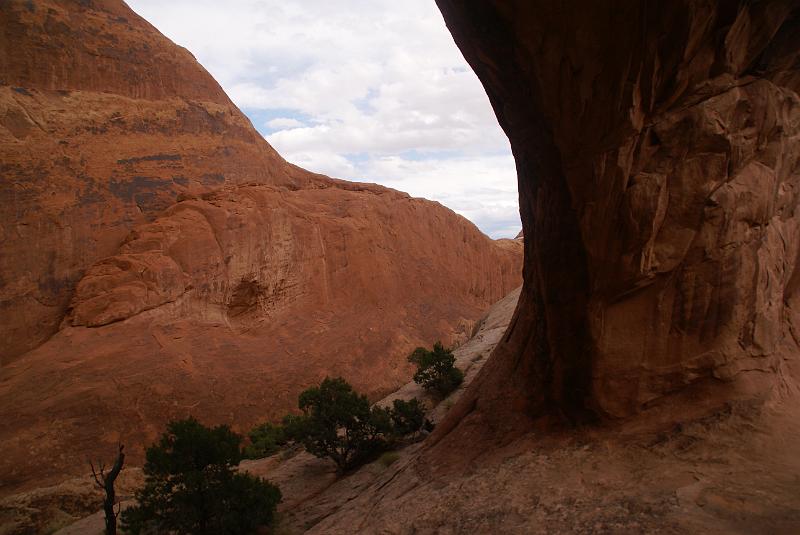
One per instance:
(733, 472)
(103, 124)
(47, 509)
(657, 154)
(160, 259)
(300, 476)
(317, 282)
(657, 151)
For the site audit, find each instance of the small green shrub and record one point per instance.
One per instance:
(338, 423)
(408, 417)
(265, 440)
(436, 369)
(192, 487)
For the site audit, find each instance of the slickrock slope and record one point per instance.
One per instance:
(310, 486)
(658, 153)
(711, 475)
(159, 259)
(735, 472)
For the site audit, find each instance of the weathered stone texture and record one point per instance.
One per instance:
(659, 166)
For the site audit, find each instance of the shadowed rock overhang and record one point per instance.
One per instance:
(656, 146)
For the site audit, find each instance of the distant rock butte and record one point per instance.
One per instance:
(160, 259)
(659, 174)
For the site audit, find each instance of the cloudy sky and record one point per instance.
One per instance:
(368, 90)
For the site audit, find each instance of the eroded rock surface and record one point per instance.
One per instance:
(104, 123)
(657, 152)
(160, 259)
(734, 471)
(707, 476)
(658, 160)
(311, 488)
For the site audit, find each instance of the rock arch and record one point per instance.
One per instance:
(657, 154)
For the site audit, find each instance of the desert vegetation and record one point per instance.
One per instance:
(408, 418)
(192, 486)
(265, 440)
(105, 482)
(436, 370)
(339, 424)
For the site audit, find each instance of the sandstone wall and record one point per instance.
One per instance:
(160, 259)
(659, 165)
(228, 305)
(103, 124)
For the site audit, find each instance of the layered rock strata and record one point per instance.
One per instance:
(160, 259)
(657, 151)
(104, 123)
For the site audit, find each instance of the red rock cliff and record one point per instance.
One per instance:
(103, 123)
(160, 259)
(657, 151)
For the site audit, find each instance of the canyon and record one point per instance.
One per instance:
(160, 259)
(647, 378)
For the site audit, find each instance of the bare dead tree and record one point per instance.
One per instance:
(105, 481)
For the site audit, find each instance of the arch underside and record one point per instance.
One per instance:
(658, 162)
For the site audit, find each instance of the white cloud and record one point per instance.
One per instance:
(371, 90)
(282, 123)
(325, 162)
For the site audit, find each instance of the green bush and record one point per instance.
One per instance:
(338, 423)
(408, 417)
(265, 440)
(436, 369)
(191, 486)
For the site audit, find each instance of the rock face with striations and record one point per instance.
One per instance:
(657, 147)
(658, 153)
(103, 124)
(160, 259)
